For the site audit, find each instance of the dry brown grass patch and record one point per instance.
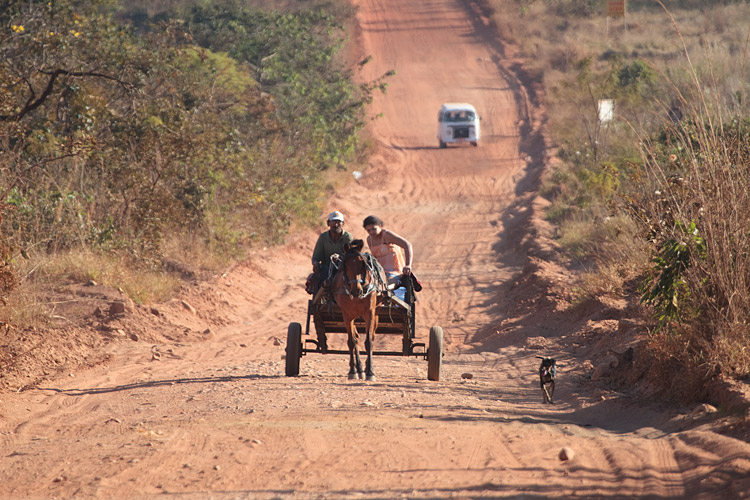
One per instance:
(27, 305)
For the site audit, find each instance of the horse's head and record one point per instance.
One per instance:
(354, 246)
(355, 271)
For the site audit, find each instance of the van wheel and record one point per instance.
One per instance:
(443, 145)
(475, 143)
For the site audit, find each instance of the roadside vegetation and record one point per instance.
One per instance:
(655, 202)
(143, 142)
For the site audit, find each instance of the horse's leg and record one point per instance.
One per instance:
(372, 324)
(352, 370)
(355, 365)
(368, 345)
(360, 371)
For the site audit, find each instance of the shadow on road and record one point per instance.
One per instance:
(157, 383)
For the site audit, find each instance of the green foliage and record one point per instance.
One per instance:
(293, 57)
(575, 8)
(602, 183)
(665, 288)
(7, 278)
(635, 77)
(216, 124)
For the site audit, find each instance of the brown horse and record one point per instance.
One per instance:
(355, 288)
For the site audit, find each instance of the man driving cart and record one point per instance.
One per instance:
(331, 243)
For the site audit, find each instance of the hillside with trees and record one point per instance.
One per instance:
(127, 128)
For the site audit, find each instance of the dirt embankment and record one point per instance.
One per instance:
(189, 399)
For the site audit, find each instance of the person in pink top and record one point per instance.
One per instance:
(393, 252)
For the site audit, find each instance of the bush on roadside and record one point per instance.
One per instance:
(673, 162)
(8, 279)
(212, 124)
(697, 218)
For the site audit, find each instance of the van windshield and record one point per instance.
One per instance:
(459, 116)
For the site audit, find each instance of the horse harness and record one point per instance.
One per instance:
(376, 282)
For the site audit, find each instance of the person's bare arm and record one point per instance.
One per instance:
(391, 237)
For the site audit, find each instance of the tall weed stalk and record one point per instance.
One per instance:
(697, 214)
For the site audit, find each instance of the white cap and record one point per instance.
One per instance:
(336, 215)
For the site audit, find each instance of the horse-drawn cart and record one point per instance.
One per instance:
(395, 318)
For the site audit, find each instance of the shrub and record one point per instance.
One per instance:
(218, 127)
(210, 123)
(7, 278)
(673, 161)
(700, 285)
(666, 287)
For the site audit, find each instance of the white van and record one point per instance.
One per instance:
(457, 122)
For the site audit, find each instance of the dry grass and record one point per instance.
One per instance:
(143, 286)
(699, 58)
(604, 279)
(576, 235)
(610, 249)
(24, 307)
(27, 304)
(191, 256)
(700, 182)
(554, 43)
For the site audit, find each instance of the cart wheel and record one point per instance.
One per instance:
(435, 354)
(293, 349)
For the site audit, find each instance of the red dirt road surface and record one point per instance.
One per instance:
(192, 415)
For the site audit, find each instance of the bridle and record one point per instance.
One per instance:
(363, 286)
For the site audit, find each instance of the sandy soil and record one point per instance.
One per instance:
(189, 399)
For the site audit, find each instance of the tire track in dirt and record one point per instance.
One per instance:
(221, 420)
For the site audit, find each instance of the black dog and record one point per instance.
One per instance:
(547, 374)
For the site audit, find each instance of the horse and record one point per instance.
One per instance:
(355, 288)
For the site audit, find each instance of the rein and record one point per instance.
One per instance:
(376, 281)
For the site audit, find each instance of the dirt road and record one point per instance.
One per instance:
(216, 418)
